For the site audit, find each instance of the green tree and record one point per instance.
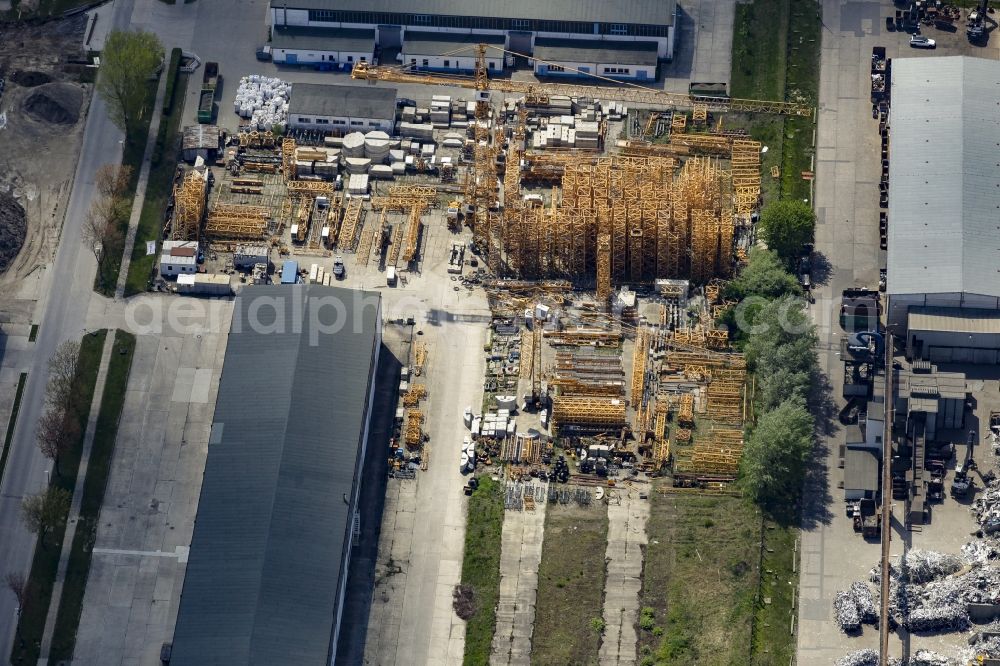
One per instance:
(128, 61)
(46, 510)
(781, 336)
(774, 457)
(786, 226)
(764, 276)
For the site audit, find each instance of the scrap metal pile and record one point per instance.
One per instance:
(929, 592)
(986, 509)
(868, 657)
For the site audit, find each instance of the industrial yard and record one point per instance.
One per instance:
(596, 405)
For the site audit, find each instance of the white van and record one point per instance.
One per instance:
(390, 276)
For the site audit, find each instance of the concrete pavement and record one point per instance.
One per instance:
(627, 539)
(520, 555)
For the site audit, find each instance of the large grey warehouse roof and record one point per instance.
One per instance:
(657, 12)
(323, 39)
(944, 182)
(602, 51)
(263, 576)
(319, 99)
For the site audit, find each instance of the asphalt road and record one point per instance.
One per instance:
(64, 307)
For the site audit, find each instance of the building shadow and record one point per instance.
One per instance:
(361, 574)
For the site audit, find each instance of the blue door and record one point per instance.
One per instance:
(292, 58)
(641, 74)
(543, 69)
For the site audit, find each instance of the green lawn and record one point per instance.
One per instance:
(570, 593)
(760, 35)
(31, 624)
(481, 568)
(12, 422)
(773, 641)
(107, 277)
(776, 47)
(700, 580)
(98, 471)
(158, 190)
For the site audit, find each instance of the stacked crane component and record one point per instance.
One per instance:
(705, 144)
(685, 412)
(349, 227)
(639, 367)
(237, 222)
(411, 428)
(414, 395)
(620, 217)
(725, 395)
(746, 175)
(189, 207)
(716, 453)
(588, 413)
(288, 158)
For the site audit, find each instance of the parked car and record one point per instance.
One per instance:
(919, 42)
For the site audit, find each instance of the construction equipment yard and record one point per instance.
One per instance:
(559, 255)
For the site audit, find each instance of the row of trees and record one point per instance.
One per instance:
(59, 433)
(104, 227)
(771, 324)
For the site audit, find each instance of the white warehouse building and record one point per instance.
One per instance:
(342, 109)
(325, 49)
(628, 32)
(943, 277)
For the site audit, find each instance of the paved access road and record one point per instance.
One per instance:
(63, 309)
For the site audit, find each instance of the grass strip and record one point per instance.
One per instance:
(158, 190)
(773, 640)
(481, 568)
(776, 55)
(94, 485)
(38, 591)
(569, 606)
(106, 279)
(700, 580)
(12, 422)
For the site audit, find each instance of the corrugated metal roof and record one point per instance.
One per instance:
(319, 99)
(658, 12)
(861, 469)
(944, 176)
(603, 51)
(954, 320)
(422, 42)
(323, 39)
(264, 571)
